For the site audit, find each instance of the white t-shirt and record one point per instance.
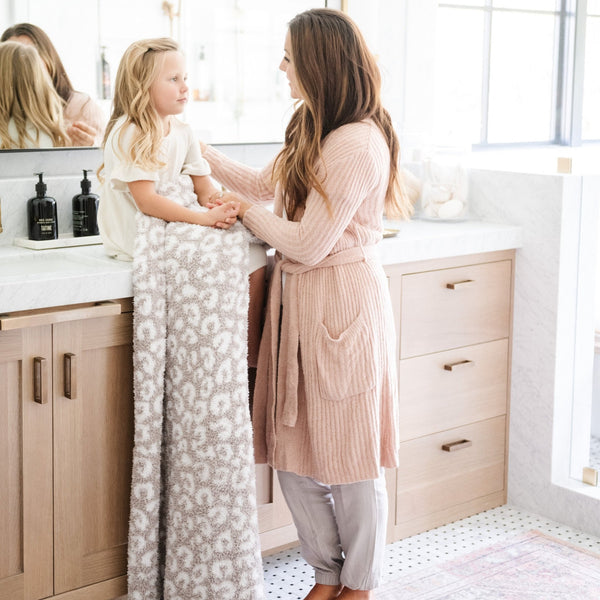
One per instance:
(116, 215)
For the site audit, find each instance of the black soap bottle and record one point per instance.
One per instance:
(42, 221)
(85, 210)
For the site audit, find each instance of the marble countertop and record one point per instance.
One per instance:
(31, 279)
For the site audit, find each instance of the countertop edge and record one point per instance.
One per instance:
(102, 278)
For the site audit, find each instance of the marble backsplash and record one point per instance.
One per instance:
(62, 174)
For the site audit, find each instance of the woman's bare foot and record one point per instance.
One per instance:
(348, 594)
(321, 591)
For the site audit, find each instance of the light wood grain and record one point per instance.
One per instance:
(25, 470)
(431, 480)
(435, 318)
(434, 399)
(19, 320)
(92, 451)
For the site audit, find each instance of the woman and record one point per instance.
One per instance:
(30, 108)
(324, 412)
(84, 119)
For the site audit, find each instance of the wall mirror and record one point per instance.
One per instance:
(233, 49)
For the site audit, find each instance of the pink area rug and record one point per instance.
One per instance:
(530, 566)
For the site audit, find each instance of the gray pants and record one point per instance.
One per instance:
(342, 528)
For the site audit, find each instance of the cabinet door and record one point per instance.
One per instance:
(25, 465)
(274, 518)
(93, 438)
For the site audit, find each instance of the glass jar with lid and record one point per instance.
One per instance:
(444, 195)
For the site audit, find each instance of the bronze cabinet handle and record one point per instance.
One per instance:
(40, 380)
(459, 445)
(459, 284)
(459, 364)
(70, 375)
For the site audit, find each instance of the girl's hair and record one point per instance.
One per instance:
(137, 71)
(28, 97)
(339, 83)
(58, 75)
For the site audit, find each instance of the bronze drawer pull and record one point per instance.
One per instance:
(452, 446)
(70, 375)
(40, 379)
(458, 284)
(460, 363)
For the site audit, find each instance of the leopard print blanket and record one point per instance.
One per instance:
(193, 530)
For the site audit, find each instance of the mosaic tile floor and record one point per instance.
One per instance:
(288, 577)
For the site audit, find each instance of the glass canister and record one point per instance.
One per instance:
(445, 190)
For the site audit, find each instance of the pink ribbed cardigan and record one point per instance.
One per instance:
(331, 414)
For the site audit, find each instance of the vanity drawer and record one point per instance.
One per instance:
(448, 389)
(431, 480)
(450, 308)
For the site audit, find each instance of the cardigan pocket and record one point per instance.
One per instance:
(345, 365)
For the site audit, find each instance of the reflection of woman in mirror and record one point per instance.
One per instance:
(83, 118)
(30, 109)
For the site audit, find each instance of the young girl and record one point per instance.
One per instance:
(30, 108)
(146, 148)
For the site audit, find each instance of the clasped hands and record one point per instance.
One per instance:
(224, 206)
(232, 206)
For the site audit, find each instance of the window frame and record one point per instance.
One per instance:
(565, 127)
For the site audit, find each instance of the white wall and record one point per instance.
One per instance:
(549, 209)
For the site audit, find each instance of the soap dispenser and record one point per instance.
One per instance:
(85, 210)
(42, 221)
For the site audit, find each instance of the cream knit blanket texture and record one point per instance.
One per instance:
(193, 531)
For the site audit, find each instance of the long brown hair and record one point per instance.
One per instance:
(60, 80)
(339, 83)
(28, 100)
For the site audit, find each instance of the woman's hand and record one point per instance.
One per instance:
(219, 198)
(244, 205)
(82, 134)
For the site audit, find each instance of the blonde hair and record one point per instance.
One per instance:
(28, 98)
(138, 69)
(339, 83)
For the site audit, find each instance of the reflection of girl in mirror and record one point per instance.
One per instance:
(83, 118)
(30, 108)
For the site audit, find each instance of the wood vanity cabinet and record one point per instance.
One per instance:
(66, 426)
(453, 318)
(66, 433)
(66, 439)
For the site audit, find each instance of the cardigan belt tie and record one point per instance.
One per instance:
(287, 362)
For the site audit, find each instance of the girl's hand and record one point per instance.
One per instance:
(224, 215)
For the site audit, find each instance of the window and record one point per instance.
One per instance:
(517, 71)
(590, 129)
